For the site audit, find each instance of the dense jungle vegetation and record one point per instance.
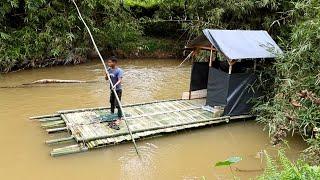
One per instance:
(36, 33)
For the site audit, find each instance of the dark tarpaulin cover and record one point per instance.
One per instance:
(199, 76)
(240, 92)
(217, 91)
(234, 91)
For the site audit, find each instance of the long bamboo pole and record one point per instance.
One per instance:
(106, 69)
(187, 58)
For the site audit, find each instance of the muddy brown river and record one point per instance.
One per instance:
(190, 154)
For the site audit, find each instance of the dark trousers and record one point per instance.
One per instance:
(114, 103)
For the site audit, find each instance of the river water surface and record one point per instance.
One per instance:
(186, 155)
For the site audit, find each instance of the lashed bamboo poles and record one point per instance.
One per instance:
(45, 116)
(217, 119)
(106, 69)
(61, 140)
(103, 108)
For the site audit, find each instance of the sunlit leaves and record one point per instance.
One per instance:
(14, 3)
(4, 36)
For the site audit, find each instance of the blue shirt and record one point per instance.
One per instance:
(115, 75)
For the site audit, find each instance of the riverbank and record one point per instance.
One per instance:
(145, 48)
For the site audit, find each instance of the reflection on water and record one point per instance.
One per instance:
(187, 155)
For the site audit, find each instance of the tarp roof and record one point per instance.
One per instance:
(238, 44)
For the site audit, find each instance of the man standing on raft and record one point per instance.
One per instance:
(116, 75)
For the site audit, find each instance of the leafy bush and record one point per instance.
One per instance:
(32, 32)
(284, 169)
(293, 105)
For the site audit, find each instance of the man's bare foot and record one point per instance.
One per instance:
(114, 126)
(118, 121)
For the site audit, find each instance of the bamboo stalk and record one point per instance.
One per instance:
(153, 114)
(145, 135)
(187, 58)
(225, 118)
(57, 118)
(54, 130)
(61, 140)
(104, 108)
(246, 116)
(44, 116)
(68, 150)
(53, 124)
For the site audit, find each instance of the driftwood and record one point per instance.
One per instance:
(48, 81)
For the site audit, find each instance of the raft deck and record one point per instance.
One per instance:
(88, 131)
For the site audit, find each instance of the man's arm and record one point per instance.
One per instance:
(106, 77)
(119, 75)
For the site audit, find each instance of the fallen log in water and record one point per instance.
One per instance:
(48, 81)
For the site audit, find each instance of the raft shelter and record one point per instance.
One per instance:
(221, 87)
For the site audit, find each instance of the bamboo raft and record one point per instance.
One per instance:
(87, 131)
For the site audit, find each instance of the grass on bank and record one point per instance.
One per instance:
(282, 168)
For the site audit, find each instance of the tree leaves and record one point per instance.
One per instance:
(5, 36)
(50, 29)
(296, 90)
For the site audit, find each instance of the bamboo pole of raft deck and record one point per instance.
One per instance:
(216, 120)
(54, 130)
(80, 148)
(45, 116)
(106, 69)
(61, 140)
(103, 108)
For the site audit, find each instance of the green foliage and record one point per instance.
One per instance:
(294, 102)
(143, 3)
(228, 162)
(45, 32)
(195, 15)
(34, 31)
(284, 169)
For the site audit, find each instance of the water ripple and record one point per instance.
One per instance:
(134, 167)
